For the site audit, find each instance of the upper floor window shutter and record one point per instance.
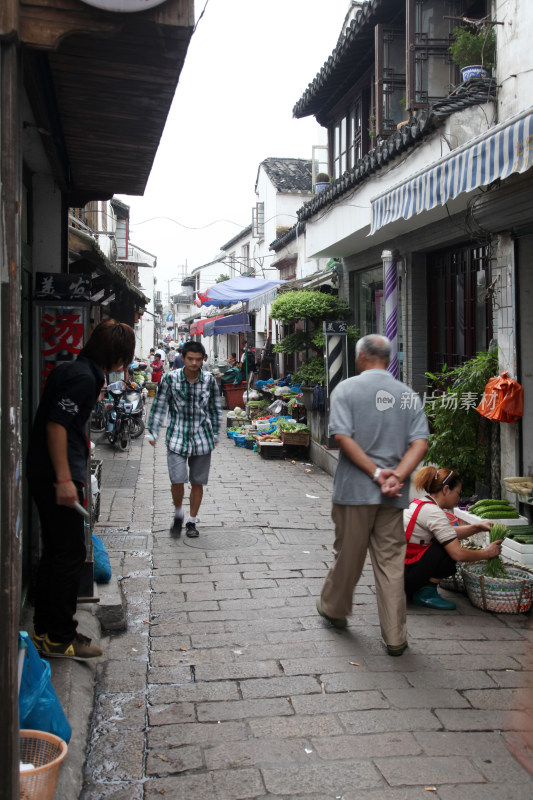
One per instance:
(390, 78)
(430, 71)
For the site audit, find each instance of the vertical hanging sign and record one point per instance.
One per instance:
(61, 322)
(335, 353)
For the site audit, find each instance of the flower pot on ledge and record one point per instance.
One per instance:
(474, 71)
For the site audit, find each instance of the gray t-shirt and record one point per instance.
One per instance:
(383, 416)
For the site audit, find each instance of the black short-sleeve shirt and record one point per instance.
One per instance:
(69, 395)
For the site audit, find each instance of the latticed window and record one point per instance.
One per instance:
(348, 136)
(390, 78)
(430, 70)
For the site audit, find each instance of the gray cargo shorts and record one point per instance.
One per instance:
(198, 472)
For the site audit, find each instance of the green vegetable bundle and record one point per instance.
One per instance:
(494, 509)
(292, 427)
(519, 531)
(494, 567)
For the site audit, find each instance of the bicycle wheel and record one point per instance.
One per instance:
(137, 427)
(98, 421)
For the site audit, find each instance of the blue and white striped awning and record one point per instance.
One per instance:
(503, 149)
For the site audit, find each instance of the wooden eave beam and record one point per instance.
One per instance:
(44, 23)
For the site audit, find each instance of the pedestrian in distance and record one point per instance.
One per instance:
(191, 397)
(381, 430)
(56, 471)
(433, 540)
(178, 360)
(157, 369)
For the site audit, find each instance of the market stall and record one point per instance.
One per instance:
(253, 293)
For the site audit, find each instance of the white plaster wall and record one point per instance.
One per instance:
(514, 61)
(106, 240)
(505, 332)
(280, 211)
(145, 328)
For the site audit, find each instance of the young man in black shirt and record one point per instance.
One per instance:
(56, 471)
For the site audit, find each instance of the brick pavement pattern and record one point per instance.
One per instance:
(228, 685)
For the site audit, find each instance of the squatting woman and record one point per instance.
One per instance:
(433, 541)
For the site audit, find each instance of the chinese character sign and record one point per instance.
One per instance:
(62, 286)
(60, 335)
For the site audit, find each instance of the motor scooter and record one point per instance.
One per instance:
(119, 416)
(135, 394)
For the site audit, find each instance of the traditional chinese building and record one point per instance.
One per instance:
(85, 90)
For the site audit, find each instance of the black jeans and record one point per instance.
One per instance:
(60, 567)
(435, 563)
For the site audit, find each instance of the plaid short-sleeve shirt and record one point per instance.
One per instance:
(194, 409)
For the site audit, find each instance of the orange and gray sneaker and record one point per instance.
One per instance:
(79, 649)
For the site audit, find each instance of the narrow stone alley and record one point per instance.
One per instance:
(227, 684)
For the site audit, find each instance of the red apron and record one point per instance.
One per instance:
(415, 552)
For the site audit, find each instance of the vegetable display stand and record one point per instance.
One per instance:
(233, 393)
(233, 419)
(520, 554)
(473, 519)
(271, 450)
(510, 595)
(301, 439)
(45, 752)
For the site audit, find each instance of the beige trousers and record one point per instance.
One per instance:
(378, 529)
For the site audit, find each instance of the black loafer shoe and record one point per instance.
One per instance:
(191, 530)
(396, 649)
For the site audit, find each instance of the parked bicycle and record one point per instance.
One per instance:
(98, 417)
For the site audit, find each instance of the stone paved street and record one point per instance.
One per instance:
(228, 685)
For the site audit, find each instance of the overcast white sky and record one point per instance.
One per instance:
(248, 63)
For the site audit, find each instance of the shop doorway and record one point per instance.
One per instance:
(459, 310)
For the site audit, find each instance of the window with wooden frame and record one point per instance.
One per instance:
(350, 134)
(390, 78)
(431, 72)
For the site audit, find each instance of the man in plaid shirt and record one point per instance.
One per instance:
(192, 398)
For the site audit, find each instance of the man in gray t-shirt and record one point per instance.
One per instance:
(382, 432)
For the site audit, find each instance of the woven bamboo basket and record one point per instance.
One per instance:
(455, 582)
(510, 595)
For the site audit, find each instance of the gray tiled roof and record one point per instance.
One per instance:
(289, 174)
(349, 60)
(241, 235)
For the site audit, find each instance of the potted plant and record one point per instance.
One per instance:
(313, 306)
(459, 435)
(321, 182)
(474, 50)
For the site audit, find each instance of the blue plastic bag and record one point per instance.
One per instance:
(39, 706)
(102, 567)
